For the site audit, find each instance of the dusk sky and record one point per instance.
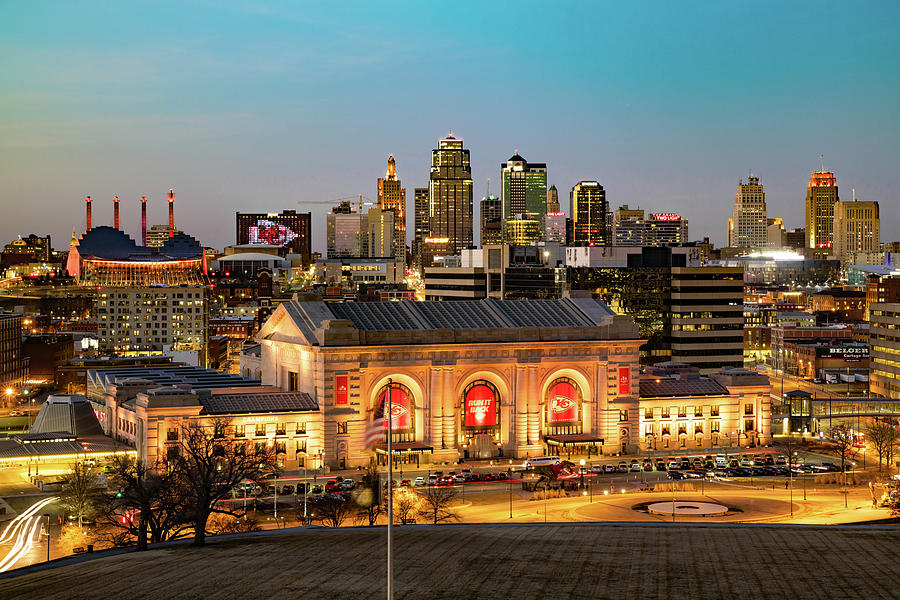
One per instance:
(257, 107)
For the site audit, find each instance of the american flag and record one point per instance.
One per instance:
(375, 431)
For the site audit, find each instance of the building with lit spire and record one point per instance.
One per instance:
(392, 196)
(748, 226)
(450, 205)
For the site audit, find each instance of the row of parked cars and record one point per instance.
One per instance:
(764, 471)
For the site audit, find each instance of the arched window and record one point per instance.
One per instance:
(403, 412)
(480, 408)
(563, 407)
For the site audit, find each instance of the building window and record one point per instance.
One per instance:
(748, 409)
(279, 429)
(714, 411)
(301, 461)
(623, 415)
(281, 447)
(301, 428)
(219, 429)
(239, 431)
(292, 382)
(172, 434)
(682, 412)
(240, 449)
(648, 414)
(301, 446)
(341, 427)
(698, 428)
(171, 452)
(683, 442)
(665, 413)
(748, 425)
(260, 429)
(665, 429)
(259, 447)
(648, 429)
(698, 411)
(714, 426)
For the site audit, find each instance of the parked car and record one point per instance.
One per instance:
(317, 490)
(635, 466)
(675, 475)
(660, 465)
(419, 482)
(622, 467)
(301, 489)
(597, 469)
(459, 479)
(780, 460)
(330, 486)
(745, 461)
(405, 483)
(433, 479)
(502, 476)
(539, 461)
(488, 476)
(287, 489)
(347, 485)
(609, 468)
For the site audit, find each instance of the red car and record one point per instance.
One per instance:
(487, 476)
(329, 487)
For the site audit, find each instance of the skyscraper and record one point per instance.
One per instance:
(747, 228)
(821, 194)
(857, 228)
(552, 200)
(524, 187)
(449, 198)
(491, 221)
(391, 196)
(589, 208)
(382, 233)
(420, 225)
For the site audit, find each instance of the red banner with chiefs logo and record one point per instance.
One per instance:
(399, 409)
(481, 407)
(341, 386)
(624, 381)
(563, 403)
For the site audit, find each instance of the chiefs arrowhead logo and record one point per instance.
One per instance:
(561, 404)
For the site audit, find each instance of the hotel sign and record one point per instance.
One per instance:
(261, 419)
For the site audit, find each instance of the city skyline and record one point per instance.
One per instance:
(258, 121)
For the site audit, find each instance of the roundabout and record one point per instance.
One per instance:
(687, 508)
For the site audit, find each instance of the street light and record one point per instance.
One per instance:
(582, 473)
(48, 535)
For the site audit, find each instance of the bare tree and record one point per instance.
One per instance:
(207, 468)
(406, 503)
(883, 436)
(331, 510)
(436, 503)
(80, 490)
(148, 504)
(843, 437)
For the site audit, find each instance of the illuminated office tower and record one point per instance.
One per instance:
(420, 226)
(589, 208)
(747, 228)
(857, 228)
(449, 200)
(381, 232)
(524, 187)
(392, 196)
(821, 195)
(491, 221)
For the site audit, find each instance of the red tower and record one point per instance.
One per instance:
(116, 212)
(171, 212)
(143, 220)
(88, 202)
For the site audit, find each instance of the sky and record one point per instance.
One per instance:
(257, 106)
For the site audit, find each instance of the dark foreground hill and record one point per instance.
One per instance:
(493, 561)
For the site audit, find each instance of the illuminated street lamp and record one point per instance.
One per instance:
(582, 473)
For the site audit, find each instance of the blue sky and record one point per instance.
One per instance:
(258, 106)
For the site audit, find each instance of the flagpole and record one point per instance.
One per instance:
(390, 507)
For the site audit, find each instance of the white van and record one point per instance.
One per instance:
(720, 461)
(541, 461)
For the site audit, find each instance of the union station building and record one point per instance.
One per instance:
(468, 379)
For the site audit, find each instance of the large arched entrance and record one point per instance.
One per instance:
(397, 404)
(480, 420)
(563, 420)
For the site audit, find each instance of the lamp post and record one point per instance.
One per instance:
(581, 462)
(48, 535)
(509, 487)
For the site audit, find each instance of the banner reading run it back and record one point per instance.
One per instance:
(481, 407)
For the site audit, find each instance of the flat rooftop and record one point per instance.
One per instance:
(581, 561)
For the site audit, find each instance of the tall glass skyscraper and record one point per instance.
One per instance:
(450, 209)
(589, 208)
(524, 187)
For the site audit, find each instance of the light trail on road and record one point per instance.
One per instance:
(25, 528)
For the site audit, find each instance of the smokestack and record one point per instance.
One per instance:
(143, 220)
(171, 212)
(116, 212)
(88, 202)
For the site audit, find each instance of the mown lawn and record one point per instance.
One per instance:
(529, 561)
